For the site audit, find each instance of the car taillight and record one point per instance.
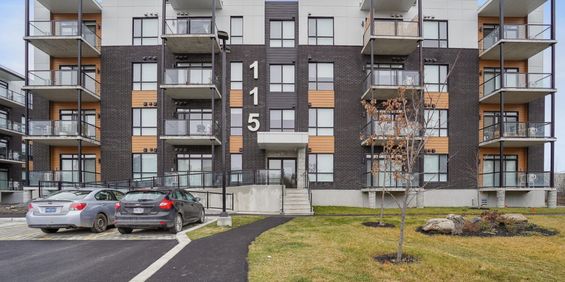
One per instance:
(29, 206)
(78, 206)
(166, 204)
(118, 205)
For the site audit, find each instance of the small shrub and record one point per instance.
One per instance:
(472, 227)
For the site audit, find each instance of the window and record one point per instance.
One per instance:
(320, 31)
(321, 167)
(435, 34)
(236, 169)
(198, 121)
(145, 76)
(491, 171)
(236, 121)
(144, 165)
(236, 74)
(320, 76)
(384, 172)
(236, 30)
(145, 31)
(282, 120)
(69, 167)
(321, 122)
(435, 78)
(198, 167)
(144, 121)
(435, 168)
(282, 34)
(436, 123)
(195, 73)
(282, 78)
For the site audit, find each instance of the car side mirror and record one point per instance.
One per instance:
(197, 199)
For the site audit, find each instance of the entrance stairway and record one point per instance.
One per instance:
(297, 202)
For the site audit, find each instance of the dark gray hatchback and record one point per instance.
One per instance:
(169, 209)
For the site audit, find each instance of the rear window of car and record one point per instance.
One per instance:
(142, 196)
(69, 195)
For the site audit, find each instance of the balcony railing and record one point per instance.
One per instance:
(12, 126)
(63, 128)
(189, 76)
(392, 78)
(526, 130)
(10, 155)
(388, 129)
(15, 97)
(534, 32)
(60, 78)
(189, 26)
(10, 185)
(182, 127)
(389, 179)
(69, 176)
(517, 81)
(392, 28)
(515, 179)
(62, 28)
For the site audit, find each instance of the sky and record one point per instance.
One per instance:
(12, 56)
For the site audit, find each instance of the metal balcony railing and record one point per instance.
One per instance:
(389, 179)
(517, 81)
(387, 129)
(392, 28)
(12, 125)
(516, 32)
(62, 28)
(63, 128)
(67, 176)
(7, 154)
(15, 97)
(526, 130)
(391, 78)
(182, 127)
(190, 26)
(515, 179)
(11, 185)
(64, 78)
(189, 76)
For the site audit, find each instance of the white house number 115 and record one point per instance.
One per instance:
(253, 123)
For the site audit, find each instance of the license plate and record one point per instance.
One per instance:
(137, 210)
(50, 210)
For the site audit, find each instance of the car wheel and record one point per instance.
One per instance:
(100, 224)
(125, 230)
(202, 217)
(177, 227)
(49, 230)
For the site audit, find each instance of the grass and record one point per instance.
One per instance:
(331, 210)
(333, 248)
(213, 228)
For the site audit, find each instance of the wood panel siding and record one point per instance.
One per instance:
(141, 99)
(236, 144)
(439, 144)
(522, 110)
(56, 153)
(143, 144)
(437, 100)
(321, 99)
(522, 154)
(321, 144)
(236, 99)
(56, 108)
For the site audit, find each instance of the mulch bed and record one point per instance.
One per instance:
(391, 258)
(378, 224)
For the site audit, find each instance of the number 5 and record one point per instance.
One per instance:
(253, 123)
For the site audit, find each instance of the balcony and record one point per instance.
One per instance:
(59, 38)
(515, 181)
(10, 186)
(388, 5)
(71, 6)
(191, 36)
(191, 132)
(190, 83)
(196, 4)
(385, 84)
(392, 37)
(53, 179)
(281, 141)
(63, 133)
(379, 132)
(11, 128)
(512, 8)
(519, 88)
(521, 42)
(63, 85)
(13, 99)
(391, 181)
(11, 157)
(516, 134)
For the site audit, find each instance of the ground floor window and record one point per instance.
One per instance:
(144, 165)
(321, 167)
(435, 168)
(384, 173)
(195, 169)
(69, 168)
(236, 168)
(491, 170)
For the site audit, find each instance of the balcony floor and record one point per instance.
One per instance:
(191, 140)
(513, 8)
(62, 141)
(516, 50)
(195, 4)
(515, 189)
(63, 46)
(192, 92)
(516, 142)
(7, 161)
(381, 189)
(516, 95)
(10, 132)
(387, 5)
(392, 45)
(192, 43)
(62, 93)
(10, 103)
(71, 6)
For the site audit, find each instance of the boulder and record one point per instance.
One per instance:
(458, 221)
(439, 225)
(512, 218)
(476, 220)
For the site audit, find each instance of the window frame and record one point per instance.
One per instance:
(141, 82)
(143, 174)
(442, 126)
(234, 81)
(282, 82)
(282, 39)
(317, 37)
(315, 130)
(438, 40)
(316, 80)
(236, 130)
(142, 37)
(437, 175)
(281, 115)
(232, 36)
(314, 172)
(141, 127)
(443, 87)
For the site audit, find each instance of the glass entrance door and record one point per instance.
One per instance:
(288, 169)
(491, 171)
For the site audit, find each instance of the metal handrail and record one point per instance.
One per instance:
(193, 127)
(15, 97)
(516, 32)
(387, 179)
(515, 130)
(59, 128)
(516, 80)
(63, 28)
(64, 78)
(185, 26)
(12, 125)
(515, 179)
(392, 28)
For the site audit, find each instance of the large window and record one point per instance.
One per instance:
(320, 76)
(198, 167)
(321, 167)
(236, 76)
(236, 168)
(320, 31)
(236, 30)
(321, 122)
(435, 34)
(145, 76)
(144, 165)
(282, 120)
(69, 167)
(436, 122)
(144, 121)
(435, 78)
(236, 121)
(145, 31)
(435, 168)
(282, 78)
(282, 34)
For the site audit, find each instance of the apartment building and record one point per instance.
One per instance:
(133, 90)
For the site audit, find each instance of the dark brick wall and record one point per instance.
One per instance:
(40, 152)
(536, 154)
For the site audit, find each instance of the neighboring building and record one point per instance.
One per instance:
(149, 90)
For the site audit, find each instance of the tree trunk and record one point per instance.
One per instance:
(381, 220)
(402, 225)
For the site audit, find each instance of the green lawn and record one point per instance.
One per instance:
(329, 210)
(213, 228)
(332, 248)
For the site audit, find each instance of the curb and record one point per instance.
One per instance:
(12, 219)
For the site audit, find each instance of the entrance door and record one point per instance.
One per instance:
(288, 169)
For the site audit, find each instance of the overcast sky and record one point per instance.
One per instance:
(12, 56)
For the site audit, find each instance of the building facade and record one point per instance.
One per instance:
(133, 90)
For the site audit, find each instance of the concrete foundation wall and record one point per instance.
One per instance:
(249, 199)
(450, 198)
(347, 198)
(11, 197)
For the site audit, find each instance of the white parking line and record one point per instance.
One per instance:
(183, 240)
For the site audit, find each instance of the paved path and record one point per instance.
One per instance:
(222, 257)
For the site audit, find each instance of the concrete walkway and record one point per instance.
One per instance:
(221, 257)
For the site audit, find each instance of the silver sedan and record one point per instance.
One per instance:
(84, 208)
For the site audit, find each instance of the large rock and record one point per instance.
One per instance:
(458, 221)
(439, 225)
(512, 218)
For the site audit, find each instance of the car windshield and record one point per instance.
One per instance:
(142, 196)
(69, 195)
